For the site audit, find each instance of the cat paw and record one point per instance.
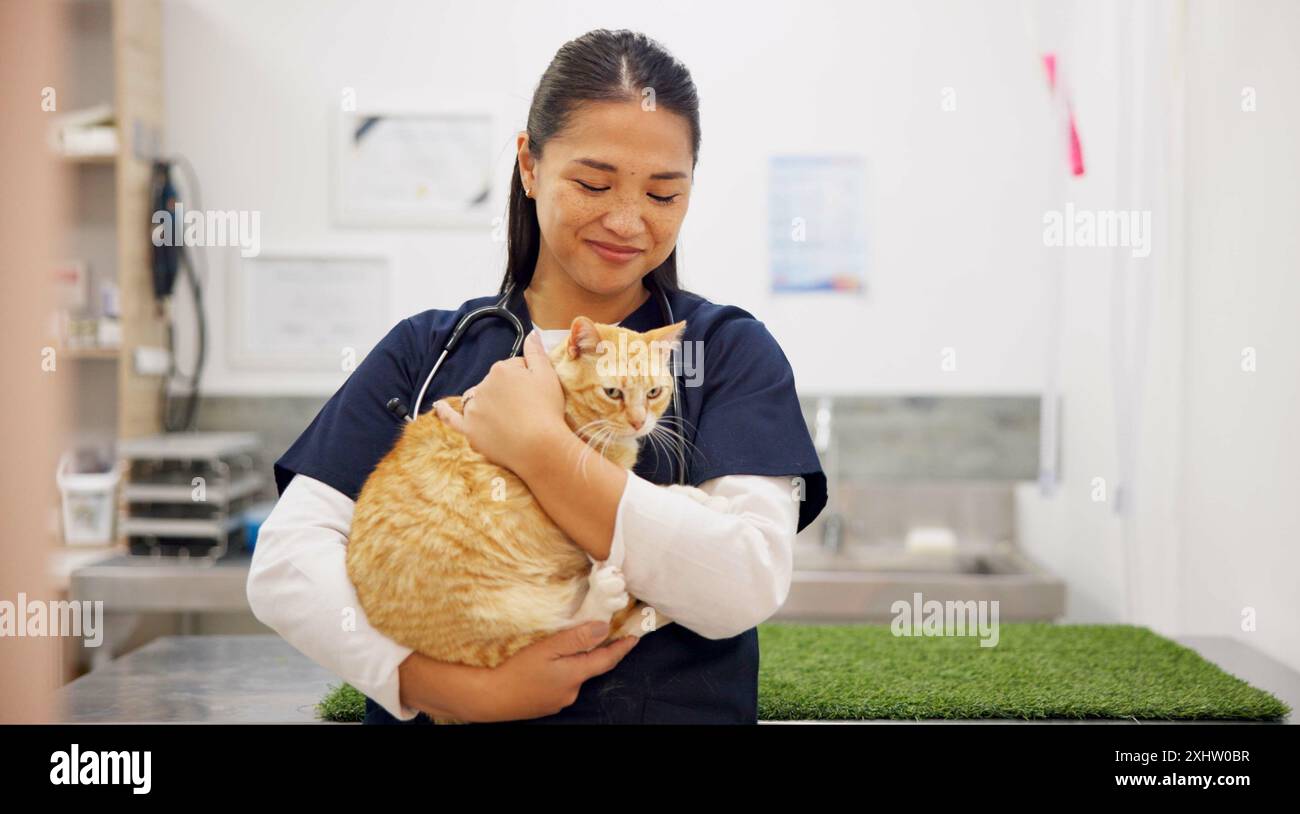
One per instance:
(606, 594)
(606, 582)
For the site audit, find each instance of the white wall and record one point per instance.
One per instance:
(1242, 468)
(954, 218)
(1215, 526)
(1070, 533)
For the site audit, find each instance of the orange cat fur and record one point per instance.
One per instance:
(452, 556)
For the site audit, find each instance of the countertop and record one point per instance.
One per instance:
(201, 679)
(262, 679)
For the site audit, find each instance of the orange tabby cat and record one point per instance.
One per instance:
(452, 556)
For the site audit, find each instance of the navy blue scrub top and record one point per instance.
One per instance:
(746, 420)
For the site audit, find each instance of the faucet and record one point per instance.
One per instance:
(833, 532)
(833, 526)
(822, 425)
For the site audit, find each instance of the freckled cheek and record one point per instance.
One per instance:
(664, 229)
(665, 242)
(580, 211)
(568, 216)
(577, 219)
(665, 225)
(578, 216)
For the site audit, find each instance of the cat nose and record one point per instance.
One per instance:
(636, 422)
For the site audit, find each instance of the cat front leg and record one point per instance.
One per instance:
(606, 595)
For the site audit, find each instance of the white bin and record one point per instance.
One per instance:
(89, 504)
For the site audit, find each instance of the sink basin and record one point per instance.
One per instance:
(859, 582)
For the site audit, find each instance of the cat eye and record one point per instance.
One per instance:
(614, 392)
(653, 393)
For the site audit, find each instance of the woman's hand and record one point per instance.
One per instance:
(538, 680)
(510, 416)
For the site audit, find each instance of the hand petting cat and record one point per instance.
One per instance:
(515, 414)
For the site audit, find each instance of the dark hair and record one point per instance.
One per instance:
(599, 66)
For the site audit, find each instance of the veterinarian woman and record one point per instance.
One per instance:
(599, 193)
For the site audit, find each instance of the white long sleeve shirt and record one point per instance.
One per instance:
(717, 560)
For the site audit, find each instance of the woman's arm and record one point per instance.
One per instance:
(516, 420)
(719, 568)
(579, 489)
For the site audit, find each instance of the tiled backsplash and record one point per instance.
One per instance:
(896, 463)
(882, 512)
(930, 438)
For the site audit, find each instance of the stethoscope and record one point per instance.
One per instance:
(501, 310)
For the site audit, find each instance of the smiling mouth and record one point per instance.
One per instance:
(615, 248)
(613, 253)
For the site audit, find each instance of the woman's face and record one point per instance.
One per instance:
(618, 175)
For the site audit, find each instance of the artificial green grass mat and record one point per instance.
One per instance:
(1037, 670)
(343, 703)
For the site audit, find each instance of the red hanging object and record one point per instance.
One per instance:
(1075, 147)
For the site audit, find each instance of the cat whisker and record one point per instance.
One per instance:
(669, 432)
(688, 450)
(654, 446)
(600, 442)
(659, 439)
(609, 439)
(581, 464)
(677, 420)
(580, 430)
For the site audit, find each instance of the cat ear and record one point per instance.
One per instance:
(670, 333)
(665, 337)
(583, 337)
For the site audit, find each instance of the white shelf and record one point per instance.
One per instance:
(178, 527)
(189, 446)
(242, 486)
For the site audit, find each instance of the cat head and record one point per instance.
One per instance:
(617, 382)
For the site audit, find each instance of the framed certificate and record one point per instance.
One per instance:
(403, 169)
(307, 312)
